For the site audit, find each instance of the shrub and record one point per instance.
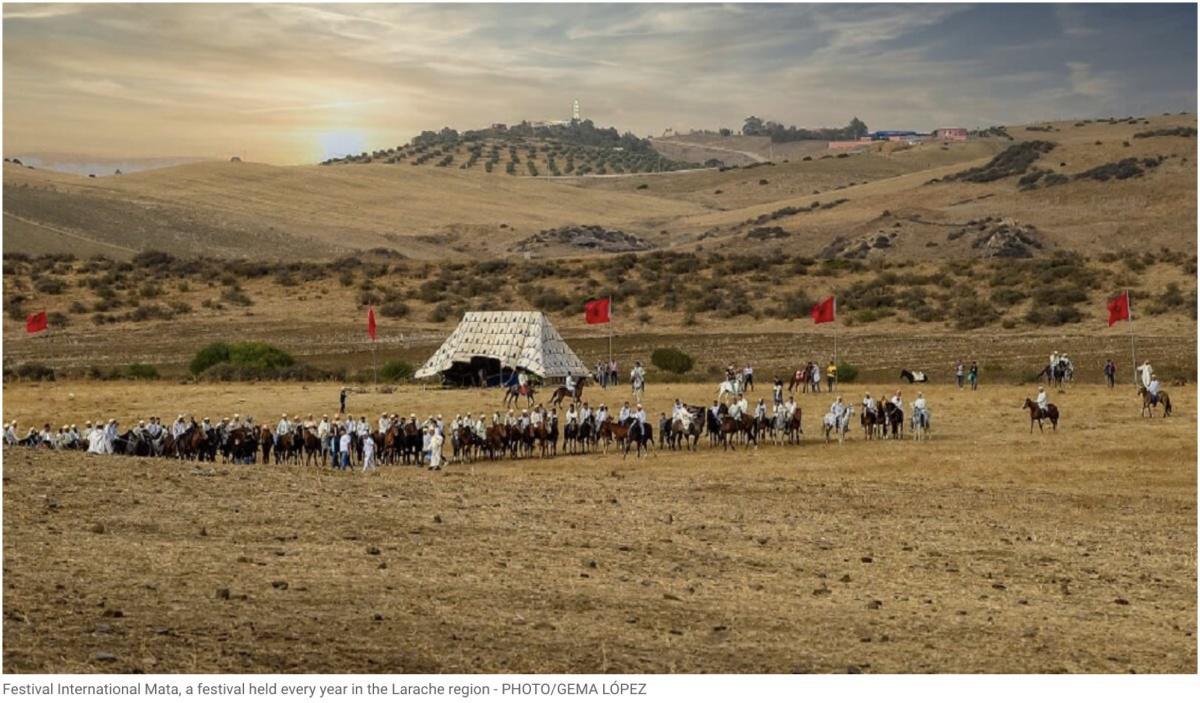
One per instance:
(49, 285)
(846, 373)
(249, 355)
(235, 295)
(141, 372)
(971, 313)
(33, 371)
(1052, 315)
(396, 370)
(673, 360)
(395, 308)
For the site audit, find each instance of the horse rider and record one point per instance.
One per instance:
(1147, 372)
(1053, 362)
(571, 417)
(760, 411)
(740, 407)
(637, 379)
(1152, 389)
(601, 414)
(868, 403)
(523, 422)
(570, 384)
(283, 428)
(1041, 398)
(897, 399)
(681, 415)
(384, 423)
(838, 408)
(538, 416)
(920, 410)
(640, 416)
(585, 413)
(623, 416)
(522, 382)
(178, 428)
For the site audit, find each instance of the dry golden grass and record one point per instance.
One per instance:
(985, 549)
(255, 210)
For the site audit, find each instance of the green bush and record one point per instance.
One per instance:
(673, 360)
(846, 373)
(396, 370)
(141, 372)
(213, 354)
(32, 371)
(395, 308)
(241, 355)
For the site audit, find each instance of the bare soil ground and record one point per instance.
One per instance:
(986, 549)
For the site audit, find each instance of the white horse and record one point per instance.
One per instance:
(841, 425)
(919, 423)
(731, 388)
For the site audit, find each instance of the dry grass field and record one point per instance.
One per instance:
(986, 549)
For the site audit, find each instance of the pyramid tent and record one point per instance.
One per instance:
(508, 340)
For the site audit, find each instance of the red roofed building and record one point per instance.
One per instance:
(951, 134)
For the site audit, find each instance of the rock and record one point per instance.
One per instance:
(1121, 601)
(223, 593)
(999, 586)
(592, 237)
(852, 669)
(845, 578)
(875, 605)
(437, 519)
(822, 591)
(668, 596)
(104, 657)
(867, 560)
(382, 565)
(378, 617)
(373, 551)
(279, 585)
(113, 613)
(98, 528)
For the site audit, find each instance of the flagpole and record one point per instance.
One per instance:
(611, 305)
(374, 369)
(1132, 343)
(837, 381)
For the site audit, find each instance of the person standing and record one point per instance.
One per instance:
(777, 391)
(344, 450)
(342, 400)
(973, 376)
(1110, 373)
(1147, 372)
(435, 451)
(958, 373)
(368, 453)
(831, 374)
(748, 377)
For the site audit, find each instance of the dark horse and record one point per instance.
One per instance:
(913, 376)
(1036, 414)
(1148, 403)
(561, 393)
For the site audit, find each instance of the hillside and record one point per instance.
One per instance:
(1098, 187)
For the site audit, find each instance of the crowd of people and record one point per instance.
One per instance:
(344, 441)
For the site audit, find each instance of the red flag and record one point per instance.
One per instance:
(595, 312)
(824, 310)
(36, 322)
(1118, 309)
(371, 322)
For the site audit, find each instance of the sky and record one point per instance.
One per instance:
(293, 84)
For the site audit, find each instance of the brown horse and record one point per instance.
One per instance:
(266, 440)
(561, 393)
(512, 394)
(1036, 414)
(792, 429)
(1148, 403)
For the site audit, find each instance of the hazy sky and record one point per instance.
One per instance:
(295, 83)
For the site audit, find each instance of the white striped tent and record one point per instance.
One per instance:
(514, 339)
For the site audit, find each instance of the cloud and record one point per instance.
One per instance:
(191, 78)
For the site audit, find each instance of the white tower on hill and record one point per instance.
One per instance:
(575, 110)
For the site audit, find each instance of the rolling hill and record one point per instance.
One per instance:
(1103, 185)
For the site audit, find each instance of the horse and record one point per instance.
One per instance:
(893, 419)
(1036, 414)
(871, 421)
(730, 388)
(266, 440)
(1148, 403)
(1060, 374)
(513, 393)
(792, 429)
(920, 424)
(913, 376)
(798, 379)
(841, 425)
(312, 446)
(562, 393)
(641, 435)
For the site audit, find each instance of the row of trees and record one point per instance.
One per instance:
(757, 127)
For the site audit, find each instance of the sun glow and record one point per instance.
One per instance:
(338, 143)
